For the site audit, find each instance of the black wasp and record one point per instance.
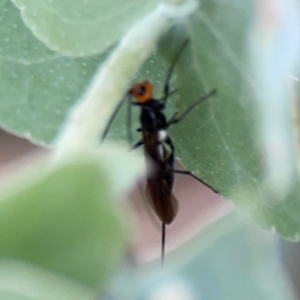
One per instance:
(158, 145)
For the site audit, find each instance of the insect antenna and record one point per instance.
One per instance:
(113, 117)
(171, 70)
(129, 132)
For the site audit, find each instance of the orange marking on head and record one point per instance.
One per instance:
(142, 91)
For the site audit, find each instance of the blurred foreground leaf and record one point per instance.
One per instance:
(20, 281)
(66, 219)
(230, 260)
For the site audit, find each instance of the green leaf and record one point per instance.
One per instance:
(66, 220)
(83, 27)
(37, 86)
(218, 146)
(220, 140)
(17, 44)
(20, 281)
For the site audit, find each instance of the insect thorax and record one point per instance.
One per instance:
(152, 119)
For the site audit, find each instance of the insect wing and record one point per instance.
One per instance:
(160, 181)
(160, 197)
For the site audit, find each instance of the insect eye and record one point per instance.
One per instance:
(141, 90)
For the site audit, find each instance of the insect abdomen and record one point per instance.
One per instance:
(162, 201)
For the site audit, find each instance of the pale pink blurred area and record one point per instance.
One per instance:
(13, 148)
(16, 155)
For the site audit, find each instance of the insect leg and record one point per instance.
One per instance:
(137, 145)
(191, 174)
(169, 95)
(175, 120)
(174, 117)
(168, 141)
